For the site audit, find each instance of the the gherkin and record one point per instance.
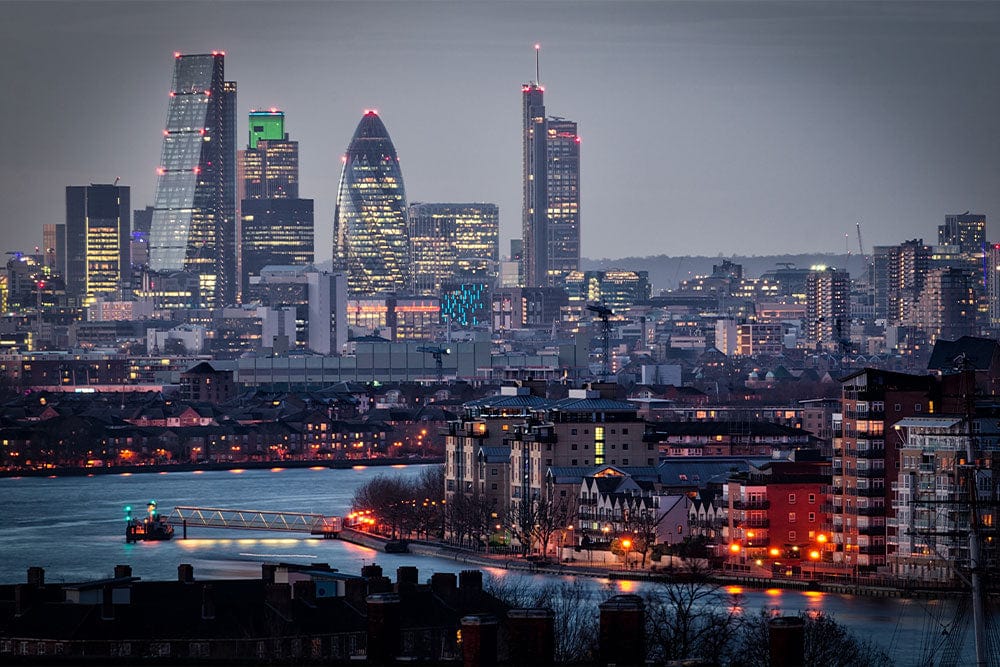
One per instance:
(369, 229)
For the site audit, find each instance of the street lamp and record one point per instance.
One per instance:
(626, 545)
(814, 556)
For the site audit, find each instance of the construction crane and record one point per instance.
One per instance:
(861, 245)
(438, 353)
(604, 314)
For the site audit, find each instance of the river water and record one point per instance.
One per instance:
(74, 528)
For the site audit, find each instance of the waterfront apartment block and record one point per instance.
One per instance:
(865, 460)
(929, 532)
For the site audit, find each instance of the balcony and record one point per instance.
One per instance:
(752, 523)
(871, 530)
(870, 511)
(873, 453)
(751, 504)
(867, 493)
(872, 550)
(871, 474)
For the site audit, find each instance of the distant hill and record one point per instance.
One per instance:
(666, 272)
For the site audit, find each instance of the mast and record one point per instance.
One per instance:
(972, 487)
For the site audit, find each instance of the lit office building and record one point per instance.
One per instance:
(453, 242)
(274, 232)
(194, 211)
(370, 232)
(965, 230)
(97, 240)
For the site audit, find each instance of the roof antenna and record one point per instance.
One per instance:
(538, 76)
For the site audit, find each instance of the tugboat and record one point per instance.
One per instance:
(153, 527)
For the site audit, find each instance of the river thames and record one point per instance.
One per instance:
(74, 528)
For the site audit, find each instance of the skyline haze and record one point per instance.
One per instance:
(767, 127)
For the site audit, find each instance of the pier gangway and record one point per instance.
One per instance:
(216, 517)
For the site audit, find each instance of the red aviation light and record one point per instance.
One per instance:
(197, 170)
(161, 171)
(202, 131)
(371, 112)
(343, 159)
(177, 54)
(208, 93)
(173, 94)
(537, 47)
(577, 139)
(274, 110)
(218, 53)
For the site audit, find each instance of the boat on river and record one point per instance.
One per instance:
(152, 527)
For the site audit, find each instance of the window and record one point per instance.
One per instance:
(493, 472)
(613, 431)
(897, 407)
(791, 517)
(649, 462)
(812, 498)
(680, 529)
(812, 517)
(792, 536)
(573, 462)
(791, 498)
(624, 445)
(494, 486)
(572, 431)
(574, 446)
(624, 462)
(624, 431)
(916, 407)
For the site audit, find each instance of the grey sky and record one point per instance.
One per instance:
(707, 127)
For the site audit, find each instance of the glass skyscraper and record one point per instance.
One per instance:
(453, 243)
(194, 211)
(551, 197)
(370, 229)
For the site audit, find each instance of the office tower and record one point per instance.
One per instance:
(269, 166)
(275, 226)
(551, 191)
(369, 227)
(97, 239)
(194, 227)
(965, 230)
(275, 232)
(54, 247)
(908, 267)
(616, 289)
(827, 308)
(453, 243)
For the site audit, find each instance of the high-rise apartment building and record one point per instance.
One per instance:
(965, 230)
(865, 460)
(369, 229)
(97, 240)
(275, 226)
(551, 192)
(827, 308)
(194, 211)
(946, 308)
(453, 243)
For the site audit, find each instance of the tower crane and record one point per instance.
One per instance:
(438, 353)
(604, 314)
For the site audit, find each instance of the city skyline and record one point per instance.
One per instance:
(761, 120)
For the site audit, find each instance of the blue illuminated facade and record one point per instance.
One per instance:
(466, 304)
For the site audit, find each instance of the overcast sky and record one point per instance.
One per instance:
(708, 127)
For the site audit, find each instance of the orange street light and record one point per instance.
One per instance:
(821, 538)
(734, 548)
(774, 551)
